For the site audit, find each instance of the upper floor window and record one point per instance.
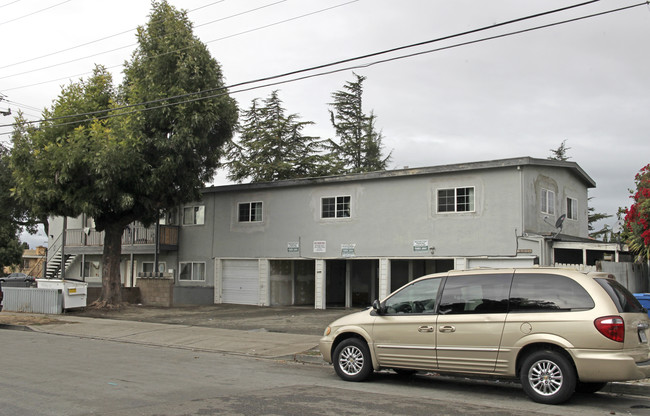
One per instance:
(335, 207)
(250, 212)
(548, 202)
(572, 208)
(194, 215)
(456, 199)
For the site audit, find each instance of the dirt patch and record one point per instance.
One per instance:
(13, 318)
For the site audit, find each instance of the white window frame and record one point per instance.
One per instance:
(472, 203)
(197, 214)
(571, 208)
(547, 201)
(192, 264)
(338, 200)
(259, 211)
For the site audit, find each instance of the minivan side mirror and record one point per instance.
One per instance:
(376, 306)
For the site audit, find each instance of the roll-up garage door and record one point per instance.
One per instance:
(240, 282)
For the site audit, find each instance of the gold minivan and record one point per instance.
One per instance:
(557, 331)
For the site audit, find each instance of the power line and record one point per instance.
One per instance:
(214, 40)
(484, 28)
(118, 48)
(12, 2)
(33, 13)
(270, 78)
(94, 41)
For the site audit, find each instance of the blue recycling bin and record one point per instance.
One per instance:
(644, 299)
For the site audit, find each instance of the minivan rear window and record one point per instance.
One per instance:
(622, 298)
(547, 293)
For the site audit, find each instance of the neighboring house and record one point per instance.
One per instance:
(347, 240)
(34, 261)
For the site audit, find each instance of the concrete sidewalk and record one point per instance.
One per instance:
(258, 343)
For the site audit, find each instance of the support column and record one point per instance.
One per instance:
(319, 284)
(348, 285)
(384, 278)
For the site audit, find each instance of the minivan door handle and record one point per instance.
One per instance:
(425, 328)
(447, 328)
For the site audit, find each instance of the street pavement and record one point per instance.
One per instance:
(284, 333)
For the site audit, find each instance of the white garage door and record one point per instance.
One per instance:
(240, 282)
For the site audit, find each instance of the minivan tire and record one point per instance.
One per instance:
(589, 388)
(548, 377)
(352, 360)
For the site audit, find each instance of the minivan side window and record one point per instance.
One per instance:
(622, 298)
(547, 293)
(473, 294)
(417, 298)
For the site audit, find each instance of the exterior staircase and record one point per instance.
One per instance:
(54, 264)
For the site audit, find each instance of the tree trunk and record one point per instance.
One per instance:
(111, 295)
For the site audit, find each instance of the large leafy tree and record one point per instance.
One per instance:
(359, 144)
(128, 167)
(636, 232)
(272, 145)
(13, 216)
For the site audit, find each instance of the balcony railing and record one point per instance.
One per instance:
(132, 236)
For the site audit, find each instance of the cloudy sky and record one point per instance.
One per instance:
(585, 81)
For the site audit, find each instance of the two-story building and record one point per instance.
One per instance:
(347, 240)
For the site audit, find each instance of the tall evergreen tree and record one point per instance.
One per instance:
(272, 145)
(359, 145)
(560, 153)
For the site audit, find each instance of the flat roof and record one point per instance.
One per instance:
(406, 172)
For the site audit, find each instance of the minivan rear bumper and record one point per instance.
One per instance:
(599, 365)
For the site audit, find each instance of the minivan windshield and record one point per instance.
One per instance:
(622, 298)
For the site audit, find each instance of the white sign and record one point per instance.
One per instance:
(293, 247)
(420, 245)
(320, 246)
(347, 250)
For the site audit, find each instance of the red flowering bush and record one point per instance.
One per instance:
(637, 218)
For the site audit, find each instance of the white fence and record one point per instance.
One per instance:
(32, 300)
(633, 276)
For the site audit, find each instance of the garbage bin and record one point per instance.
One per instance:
(75, 292)
(644, 299)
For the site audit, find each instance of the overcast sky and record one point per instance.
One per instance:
(585, 82)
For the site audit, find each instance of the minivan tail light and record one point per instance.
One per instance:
(612, 327)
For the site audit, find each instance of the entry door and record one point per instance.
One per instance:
(471, 318)
(404, 333)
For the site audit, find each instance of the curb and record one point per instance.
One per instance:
(16, 327)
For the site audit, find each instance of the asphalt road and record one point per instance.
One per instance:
(44, 374)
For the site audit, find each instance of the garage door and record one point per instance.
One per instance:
(240, 282)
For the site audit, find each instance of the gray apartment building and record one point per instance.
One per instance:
(343, 241)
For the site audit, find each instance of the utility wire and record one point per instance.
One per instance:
(225, 88)
(118, 48)
(484, 28)
(93, 41)
(12, 2)
(33, 13)
(166, 53)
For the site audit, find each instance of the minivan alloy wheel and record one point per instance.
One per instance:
(548, 376)
(545, 377)
(351, 360)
